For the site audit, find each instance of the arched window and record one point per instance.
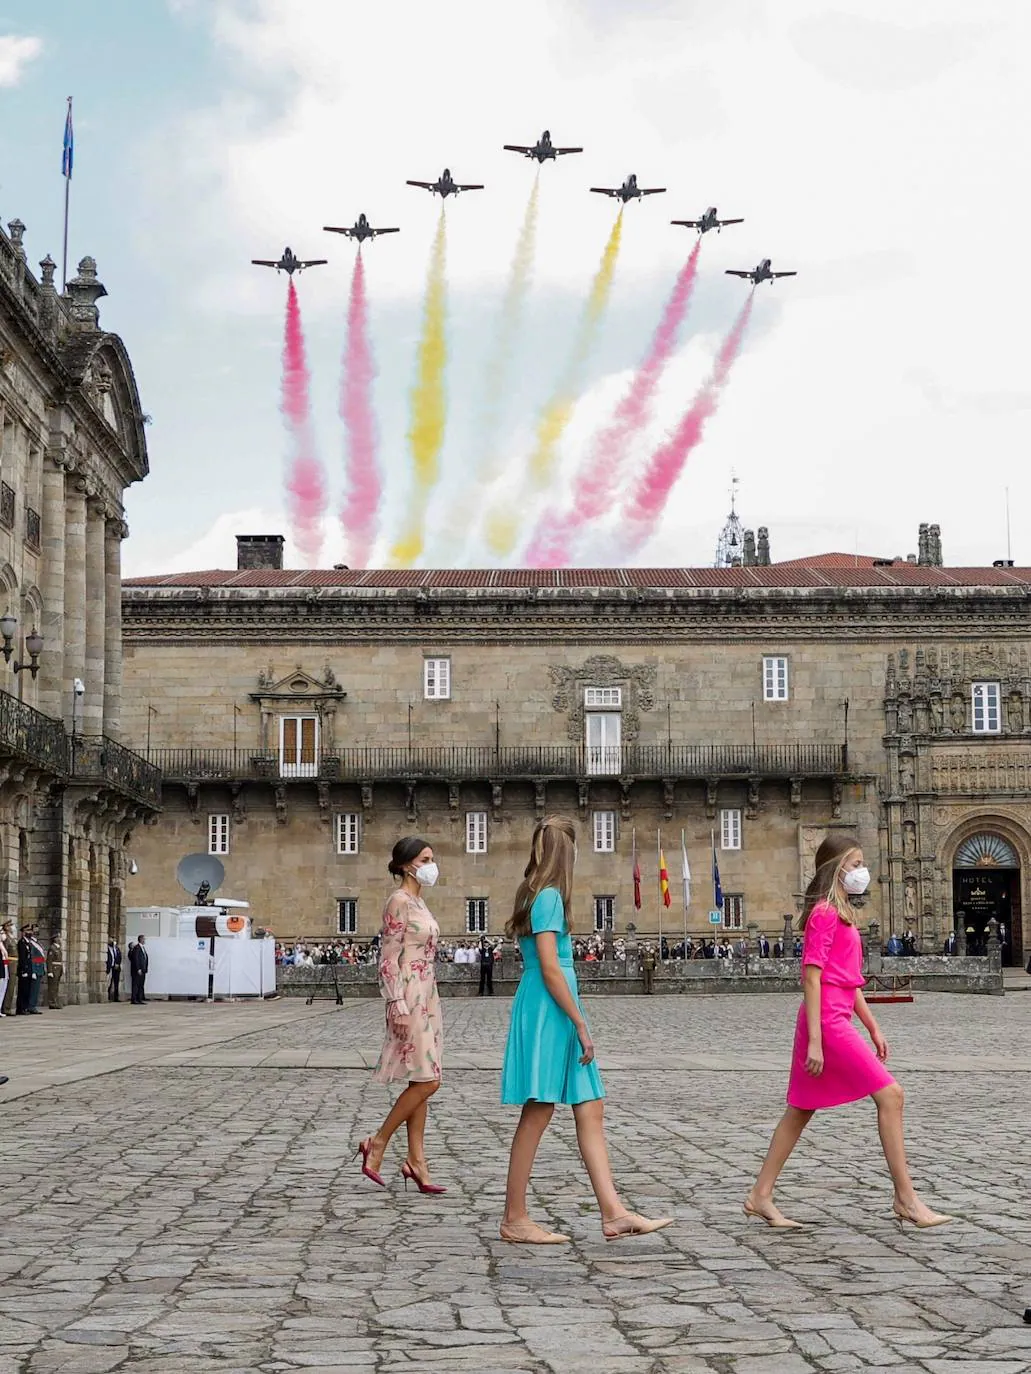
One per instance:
(986, 851)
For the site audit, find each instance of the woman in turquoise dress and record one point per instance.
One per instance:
(549, 1056)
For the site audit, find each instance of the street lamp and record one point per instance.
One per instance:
(33, 643)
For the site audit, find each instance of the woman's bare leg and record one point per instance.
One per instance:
(533, 1122)
(785, 1138)
(889, 1102)
(616, 1219)
(414, 1097)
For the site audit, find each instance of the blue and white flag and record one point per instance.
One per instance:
(68, 151)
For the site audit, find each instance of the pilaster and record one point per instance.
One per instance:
(115, 532)
(51, 663)
(93, 703)
(74, 598)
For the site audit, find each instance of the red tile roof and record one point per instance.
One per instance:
(824, 570)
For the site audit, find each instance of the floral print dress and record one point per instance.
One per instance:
(407, 950)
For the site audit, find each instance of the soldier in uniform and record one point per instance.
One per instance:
(5, 966)
(648, 970)
(10, 945)
(39, 970)
(25, 973)
(55, 969)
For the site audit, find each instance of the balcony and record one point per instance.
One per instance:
(97, 759)
(531, 762)
(32, 736)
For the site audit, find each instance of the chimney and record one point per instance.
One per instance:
(923, 546)
(259, 551)
(764, 547)
(749, 546)
(935, 545)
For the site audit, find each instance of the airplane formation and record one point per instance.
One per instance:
(542, 151)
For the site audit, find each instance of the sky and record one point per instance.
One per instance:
(875, 146)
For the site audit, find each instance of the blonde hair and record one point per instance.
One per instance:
(826, 882)
(552, 852)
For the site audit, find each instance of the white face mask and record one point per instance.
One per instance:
(856, 881)
(427, 874)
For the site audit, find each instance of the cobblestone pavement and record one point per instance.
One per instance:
(183, 1201)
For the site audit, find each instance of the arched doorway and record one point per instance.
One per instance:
(986, 883)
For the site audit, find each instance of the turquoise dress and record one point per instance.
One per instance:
(542, 1055)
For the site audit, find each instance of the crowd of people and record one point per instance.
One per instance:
(29, 971)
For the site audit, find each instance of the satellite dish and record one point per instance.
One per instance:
(195, 871)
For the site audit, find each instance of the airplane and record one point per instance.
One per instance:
(444, 186)
(629, 190)
(758, 274)
(289, 262)
(710, 220)
(542, 150)
(360, 230)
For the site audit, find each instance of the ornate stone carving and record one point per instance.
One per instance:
(753, 805)
(604, 670)
(366, 791)
(712, 787)
(193, 801)
(669, 797)
(279, 797)
(454, 796)
(322, 792)
(239, 811)
(497, 797)
(796, 798)
(411, 810)
(540, 798)
(583, 795)
(836, 799)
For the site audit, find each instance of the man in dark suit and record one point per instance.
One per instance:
(26, 973)
(139, 961)
(114, 970)
(486, 967)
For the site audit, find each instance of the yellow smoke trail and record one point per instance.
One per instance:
(429, 408)
(501, 527)
(446, 548)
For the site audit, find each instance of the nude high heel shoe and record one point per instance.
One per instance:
(935, 1219)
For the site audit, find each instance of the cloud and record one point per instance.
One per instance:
(15, 53)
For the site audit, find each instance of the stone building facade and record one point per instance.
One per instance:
(71, 441)
(303, 721)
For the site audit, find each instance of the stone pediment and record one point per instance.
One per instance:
(299, 686)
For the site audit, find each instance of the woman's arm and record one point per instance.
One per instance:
(555, 982)
(391, 948)
(873, 1030)
(811, 975)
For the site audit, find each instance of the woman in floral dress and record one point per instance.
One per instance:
(412, 1048)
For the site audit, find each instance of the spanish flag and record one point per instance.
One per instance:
(664, 879)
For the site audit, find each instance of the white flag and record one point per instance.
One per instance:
(686, 872)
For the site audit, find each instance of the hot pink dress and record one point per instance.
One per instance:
(407, 951)
(851, 1069)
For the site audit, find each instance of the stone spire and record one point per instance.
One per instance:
(749, 549)
(85, 290)
(764, 547)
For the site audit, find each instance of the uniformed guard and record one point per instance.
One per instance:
(10, 943)
(39, 970)
(55, 971)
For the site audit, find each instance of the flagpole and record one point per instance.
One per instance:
(67, 197)
(683, 851)
(658, 861)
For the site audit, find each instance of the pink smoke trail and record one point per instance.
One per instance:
(598, 479)
(306, 479)
(364, 481)
(645, 503)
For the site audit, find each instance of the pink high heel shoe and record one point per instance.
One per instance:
(363, 1149)
(408, 1172)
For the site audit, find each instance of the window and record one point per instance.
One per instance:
(218, 834)
(986, 708)
(6, 505)
(730, 829)
(348, 832)
(476, 832)
(604, 913)
(604, 832)
(733, 911)
(32, 528)
(476, 910)
(603, 736)
(436, 679)
(775, 679)
(610, 697)
(298, 746)
(347, 915)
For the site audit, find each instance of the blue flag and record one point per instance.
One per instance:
(68, 151)
(717, 890)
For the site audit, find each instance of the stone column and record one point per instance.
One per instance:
(74, 600)
(51, 662)
(113, 628)
(96, 619)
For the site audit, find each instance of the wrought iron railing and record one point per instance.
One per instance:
(448, 762)
(95, 758)
(32, 736)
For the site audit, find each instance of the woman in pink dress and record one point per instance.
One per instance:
(412, 1049)
(832, 1064)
